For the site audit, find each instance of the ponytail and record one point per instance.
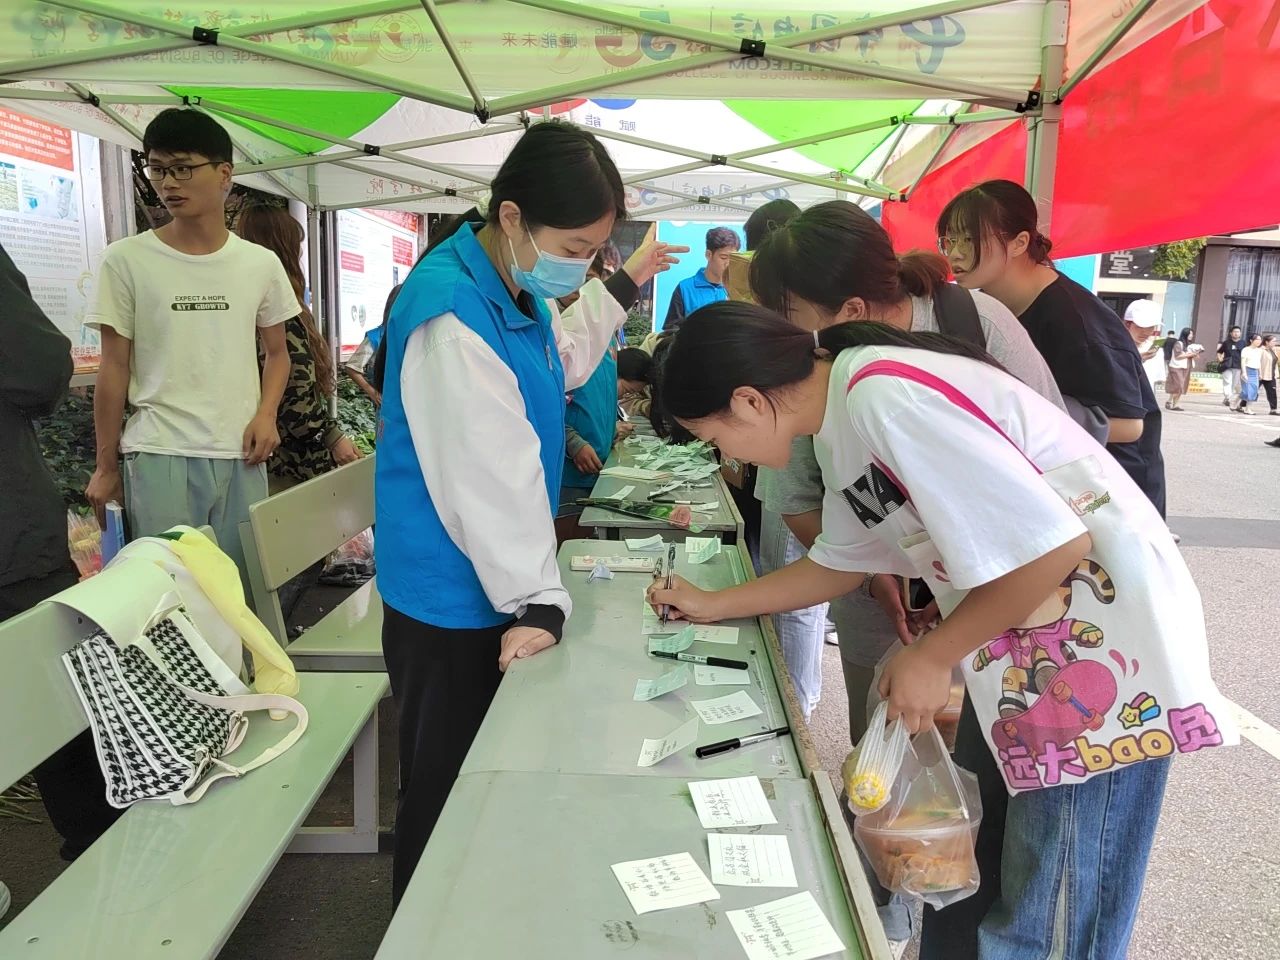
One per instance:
(755, 348)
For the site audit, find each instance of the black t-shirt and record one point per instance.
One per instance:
(1230, 350)
(1094, 360)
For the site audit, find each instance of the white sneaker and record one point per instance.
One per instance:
(5, 899)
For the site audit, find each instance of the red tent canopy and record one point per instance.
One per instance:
(1176, 139)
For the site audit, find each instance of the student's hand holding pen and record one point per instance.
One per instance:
(683, 600)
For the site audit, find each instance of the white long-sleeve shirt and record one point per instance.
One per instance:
(484, 471)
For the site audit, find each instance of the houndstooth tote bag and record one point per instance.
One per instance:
(165, 710)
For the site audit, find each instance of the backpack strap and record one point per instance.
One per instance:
(905, 371)
(957, 314)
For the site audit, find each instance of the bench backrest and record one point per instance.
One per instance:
(39, 707)
(290, 531)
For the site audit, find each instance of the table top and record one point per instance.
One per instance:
(570, 708)
(519, 866)
(724, 518)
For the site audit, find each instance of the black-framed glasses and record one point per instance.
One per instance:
(179, 171)
(961, 245)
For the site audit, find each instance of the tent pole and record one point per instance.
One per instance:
(87, 96)
(980, 116)
(1121, 29)
(283, 163)
(465, 193)
(816, 138)
(389, 201)
(924, 171)
(312, 160)
(897, 136)
(666, 172)
(1042, 149)
(477, 98)
(329, 260)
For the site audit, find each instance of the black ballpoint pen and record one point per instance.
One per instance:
(711, 749)
(695, 658)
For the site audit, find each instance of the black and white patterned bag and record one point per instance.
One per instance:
(166, 711)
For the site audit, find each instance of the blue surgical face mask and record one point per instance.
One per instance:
(551, 277)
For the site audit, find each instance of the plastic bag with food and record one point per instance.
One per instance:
(920, 843)
(84, 540)
(870, 770)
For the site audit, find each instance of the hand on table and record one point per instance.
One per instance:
(587, 460)
(521, 642)
(684, 601)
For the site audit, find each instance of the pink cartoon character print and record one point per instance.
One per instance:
(1072, 695)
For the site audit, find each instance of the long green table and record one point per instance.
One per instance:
(724, 521)
(550, 797)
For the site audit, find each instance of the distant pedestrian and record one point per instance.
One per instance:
(1178, 379)
(1250, 373)
(1229, 359)
(1269, 370)
(1169, 340)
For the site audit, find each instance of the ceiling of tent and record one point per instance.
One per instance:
(670, 88)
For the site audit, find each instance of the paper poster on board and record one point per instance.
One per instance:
(376, 251)
(51, 220)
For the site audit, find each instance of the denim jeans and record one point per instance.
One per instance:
(1062, 869)
(800, 633)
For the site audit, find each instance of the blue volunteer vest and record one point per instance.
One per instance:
(593, 412)
(421, 572)
(697, 291)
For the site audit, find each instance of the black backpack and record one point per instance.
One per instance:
(957, 314)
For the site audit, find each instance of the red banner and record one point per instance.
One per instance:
(351, 261)
(402, 251)
(1174, 140)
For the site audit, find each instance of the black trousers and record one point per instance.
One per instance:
(70, 781)
(1270, 387)
(443, 682)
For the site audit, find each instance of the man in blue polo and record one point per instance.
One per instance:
(707, 285)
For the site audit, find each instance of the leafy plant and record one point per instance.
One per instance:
(66, 439)
(356, 415)
(638, 326)
(1176, 260)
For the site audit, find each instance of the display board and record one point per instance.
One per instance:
(51, 220)
(376, 251)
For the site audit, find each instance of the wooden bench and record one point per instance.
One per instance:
(165, 882)
(288, 533)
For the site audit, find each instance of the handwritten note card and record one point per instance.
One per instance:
(623, 493)
(702, 549)
(793, 928)
(736, 802)
(655, 751)
(671, 680)
(716, 634)
(676, 643)
(750, 860)
(662, 882)
(705, 676)
(646, 544)
(736, 706)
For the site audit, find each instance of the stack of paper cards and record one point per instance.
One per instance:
(735, 802)
(793, 928)
(639, 474)
(750, 860)
(705, 676)
(662, 882)
(671, 680)
(655, 751)
(676, 643)
(736, 706)
(652, 544)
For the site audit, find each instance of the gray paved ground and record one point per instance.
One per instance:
(1213, 891)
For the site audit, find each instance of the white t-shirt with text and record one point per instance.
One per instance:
(900, 459)
(194, 382)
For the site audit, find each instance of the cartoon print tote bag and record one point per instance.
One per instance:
(1112, 668)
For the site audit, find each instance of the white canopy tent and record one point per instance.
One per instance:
(413, 104)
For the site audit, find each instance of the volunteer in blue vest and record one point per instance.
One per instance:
(707, 285)
(471, 454)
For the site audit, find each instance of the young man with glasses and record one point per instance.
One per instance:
(181, 309)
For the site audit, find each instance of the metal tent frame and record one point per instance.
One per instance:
(1039, 108)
